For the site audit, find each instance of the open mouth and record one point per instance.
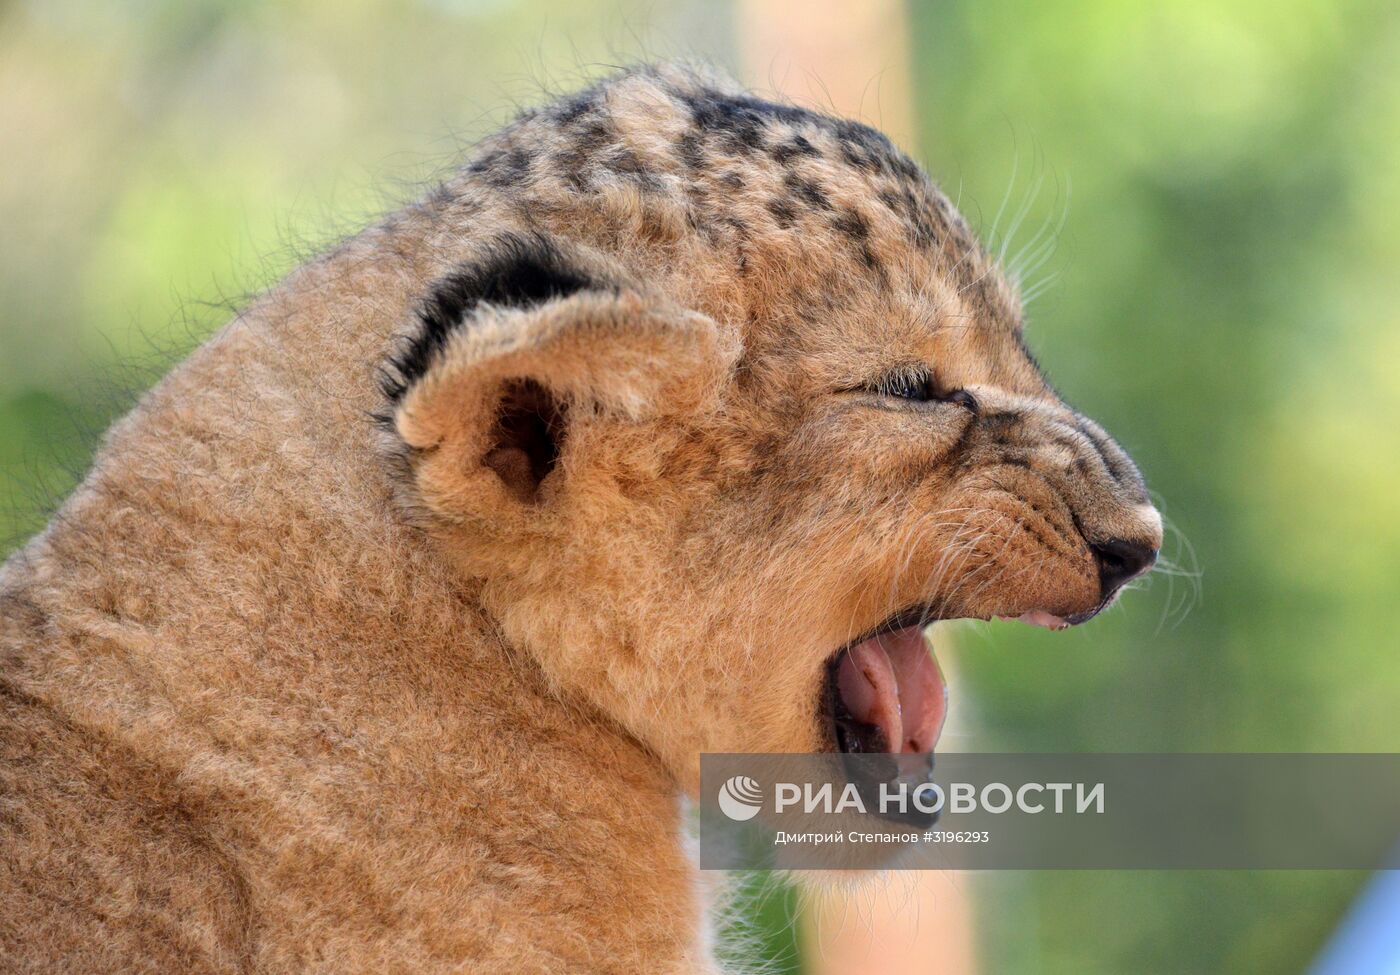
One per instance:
(886, 702)
(885, 692)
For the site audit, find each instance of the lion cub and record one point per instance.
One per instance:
(386, 632)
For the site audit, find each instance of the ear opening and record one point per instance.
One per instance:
(528, 437)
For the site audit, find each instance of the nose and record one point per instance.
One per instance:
(1120, 561)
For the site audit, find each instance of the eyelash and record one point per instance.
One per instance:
(917, 387)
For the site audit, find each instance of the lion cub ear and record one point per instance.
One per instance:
(514, 351)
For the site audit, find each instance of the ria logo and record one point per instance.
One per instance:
(740, 798)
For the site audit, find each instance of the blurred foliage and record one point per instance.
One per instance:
(1219, 290)
(1224, 301)
(164, 159)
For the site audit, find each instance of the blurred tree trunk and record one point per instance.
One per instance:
(851, 58)
(848, 57)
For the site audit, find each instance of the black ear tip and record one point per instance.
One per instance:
(528, 437)
(514, 271)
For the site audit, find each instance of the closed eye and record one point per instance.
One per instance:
(918, 386)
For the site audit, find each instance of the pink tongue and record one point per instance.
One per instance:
(892, 681)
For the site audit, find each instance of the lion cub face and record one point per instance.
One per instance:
(723, 404)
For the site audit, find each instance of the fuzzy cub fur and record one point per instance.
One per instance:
(386, 632)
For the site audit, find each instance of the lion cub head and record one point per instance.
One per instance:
(718, 402)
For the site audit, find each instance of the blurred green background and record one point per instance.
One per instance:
(1219, 182)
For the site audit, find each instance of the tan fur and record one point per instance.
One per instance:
(286, 689)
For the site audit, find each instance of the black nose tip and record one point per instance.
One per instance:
(1121, 561)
